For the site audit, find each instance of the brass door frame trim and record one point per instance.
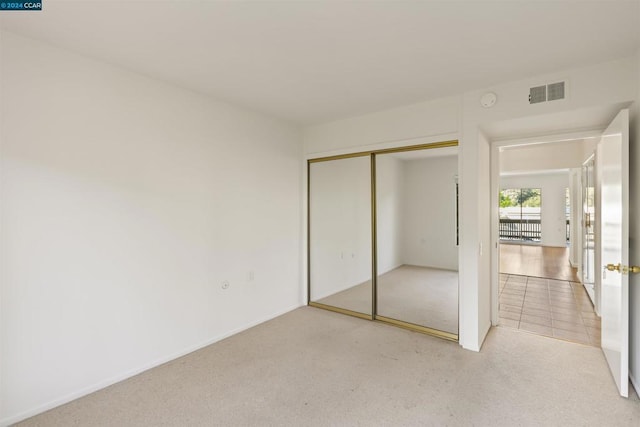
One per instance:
(339, 157)
(340, 310)
(374, 240)
(374, 243)
(308, 233)
(443, 144)
(418, 328)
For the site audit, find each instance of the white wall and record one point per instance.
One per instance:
(485, 253)
(435, 120)
(390, 196)
(429, 213)
(553, 187)
(634, 234)
(125, 203)
(340, 218)
(559, 155)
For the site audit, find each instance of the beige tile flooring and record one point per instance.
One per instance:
(555, 308)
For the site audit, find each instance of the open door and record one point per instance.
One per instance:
(613, 151)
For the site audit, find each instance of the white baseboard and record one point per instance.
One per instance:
(128, 374)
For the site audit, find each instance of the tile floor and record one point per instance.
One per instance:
(555, 308)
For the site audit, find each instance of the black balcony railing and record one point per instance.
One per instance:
(526, 229)
(516, 229)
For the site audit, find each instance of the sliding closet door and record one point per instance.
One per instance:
(417, 252)
(340, 248)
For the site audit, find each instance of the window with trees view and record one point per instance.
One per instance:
(520, 214)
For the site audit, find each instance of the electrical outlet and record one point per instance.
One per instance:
(225, 284)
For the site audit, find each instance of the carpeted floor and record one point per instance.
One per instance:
(421, 295)
(317, 368)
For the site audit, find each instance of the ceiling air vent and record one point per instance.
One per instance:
(550, 92)
(555, 91)
(537, 94)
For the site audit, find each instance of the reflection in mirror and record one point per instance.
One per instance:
(340, 233)
(417, 253)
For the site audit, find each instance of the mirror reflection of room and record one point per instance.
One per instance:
(340, 233)
(417, 252)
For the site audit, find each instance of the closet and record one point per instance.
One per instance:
(383, 236)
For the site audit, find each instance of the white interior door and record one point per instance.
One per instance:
(613, 154)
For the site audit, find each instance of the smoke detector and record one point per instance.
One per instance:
(488, 100)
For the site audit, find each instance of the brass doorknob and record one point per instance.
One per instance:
(613, 267)
(622, 268)
(634, 269)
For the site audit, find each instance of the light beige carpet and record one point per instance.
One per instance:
(421, 295)
(312, 367)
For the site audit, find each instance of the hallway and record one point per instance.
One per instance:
(540, 293)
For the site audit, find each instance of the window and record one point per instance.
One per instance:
(520, 214)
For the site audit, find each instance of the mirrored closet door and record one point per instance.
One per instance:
(383, 241)
(417, 251)
(340, 248)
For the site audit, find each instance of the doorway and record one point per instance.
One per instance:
(540, 289)
(610, 236)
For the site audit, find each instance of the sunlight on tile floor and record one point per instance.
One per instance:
(555, 308)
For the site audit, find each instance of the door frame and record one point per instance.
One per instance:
(596, 227)
(496, 145)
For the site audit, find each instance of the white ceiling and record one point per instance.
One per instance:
(310, 62)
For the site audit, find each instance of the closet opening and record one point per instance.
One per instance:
(383, 236)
